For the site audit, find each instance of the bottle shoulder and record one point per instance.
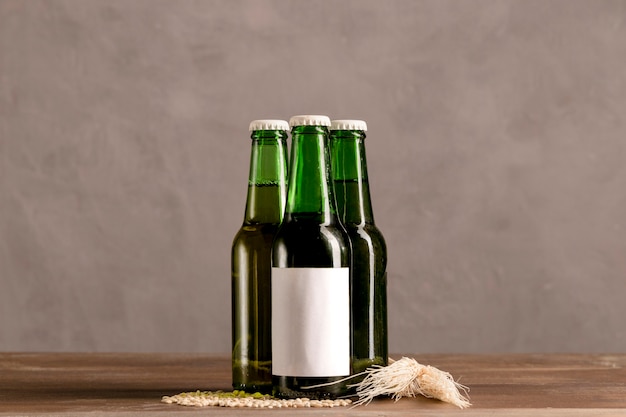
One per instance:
(364, 229)
(299, 244)
(311, 226)
(255, 232)
(366, 235)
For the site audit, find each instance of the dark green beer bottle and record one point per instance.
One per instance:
(369, 251)
(310, 274)
(251, 257)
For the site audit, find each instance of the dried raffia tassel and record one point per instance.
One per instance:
(408, 378)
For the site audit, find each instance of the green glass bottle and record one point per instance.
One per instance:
(369, 251)
(310, 274)
(251, 257)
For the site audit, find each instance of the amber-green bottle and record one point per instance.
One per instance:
(369, 251)
(251, 257)
(310, 274)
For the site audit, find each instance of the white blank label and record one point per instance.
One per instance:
(310, 322)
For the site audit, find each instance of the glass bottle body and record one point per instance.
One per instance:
(251, 263)
(311, 255)
(369, 250)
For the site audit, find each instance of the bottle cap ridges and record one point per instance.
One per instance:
(348, 124)
(309, 120)
(268, 124)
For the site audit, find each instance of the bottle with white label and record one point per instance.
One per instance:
(311, 255)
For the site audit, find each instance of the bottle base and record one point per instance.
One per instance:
(286, 387)
(253, 388)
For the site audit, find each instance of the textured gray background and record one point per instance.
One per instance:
(497, 149)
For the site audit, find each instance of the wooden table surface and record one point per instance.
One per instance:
(132, 384)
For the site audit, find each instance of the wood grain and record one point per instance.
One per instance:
(128, 384)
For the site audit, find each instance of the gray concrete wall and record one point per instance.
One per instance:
(497, 149)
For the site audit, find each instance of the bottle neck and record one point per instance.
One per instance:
(350, 181)
(310, 195)
(267, 181)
